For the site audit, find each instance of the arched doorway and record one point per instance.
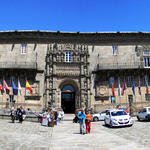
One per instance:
(68, 99)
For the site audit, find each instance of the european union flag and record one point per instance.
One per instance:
(15, 89)
(133, 87)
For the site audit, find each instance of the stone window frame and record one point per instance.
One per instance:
(23, 48)
(68, 56)
(115, 50)
(146, 61)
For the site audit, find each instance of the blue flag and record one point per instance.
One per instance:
(15, 89)
(111, 80)
(133, 87)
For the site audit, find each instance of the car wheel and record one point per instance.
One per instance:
(105, 123)
(95, 119)
(138, 118)
(111, 124)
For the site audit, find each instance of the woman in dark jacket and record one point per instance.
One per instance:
(20, 114)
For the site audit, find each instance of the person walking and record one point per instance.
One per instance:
(81, 116)
(88, 121)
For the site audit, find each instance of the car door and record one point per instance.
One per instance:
(143, 114)
(102, 115)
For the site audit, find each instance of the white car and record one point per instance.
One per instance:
(144, 114)
(99, 116)
(116, 118)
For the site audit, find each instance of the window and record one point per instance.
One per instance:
(23, 48)
(118, 113)
(107, 113)
(146, 61)
(146, 53)
(68, 56)
(147, 97)
(115, 50)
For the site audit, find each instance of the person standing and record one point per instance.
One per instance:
(88, 121)
(52, 119)
(81, 116)
(20, 114)
(56, 117)
(12, 114)
(62, 114)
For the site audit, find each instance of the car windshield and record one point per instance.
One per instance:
(118, 113)
(149, 109)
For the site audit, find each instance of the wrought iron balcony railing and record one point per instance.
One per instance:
(126, 65)
(18, 65)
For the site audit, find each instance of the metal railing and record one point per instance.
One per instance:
(125, 65)
(18, 65)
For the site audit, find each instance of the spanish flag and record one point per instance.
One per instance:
(28, 87)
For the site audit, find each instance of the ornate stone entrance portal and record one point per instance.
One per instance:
(67, 78)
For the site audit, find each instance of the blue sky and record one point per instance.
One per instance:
(75, 15)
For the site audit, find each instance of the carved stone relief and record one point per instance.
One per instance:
(102, 90)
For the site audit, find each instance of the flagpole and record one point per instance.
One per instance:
(25, 89)
(17, 99)
(3, 92)
(18, 93)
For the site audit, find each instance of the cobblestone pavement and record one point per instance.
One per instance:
(65, 136)
(25, 136)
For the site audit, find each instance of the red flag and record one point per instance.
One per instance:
(124, 86)
(146, 83)
(6, 87)
(113, 89)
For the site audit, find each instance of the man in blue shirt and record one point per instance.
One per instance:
(81, 116)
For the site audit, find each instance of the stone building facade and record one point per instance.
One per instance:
(75, 70)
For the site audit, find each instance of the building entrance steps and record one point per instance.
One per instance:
(68, 117)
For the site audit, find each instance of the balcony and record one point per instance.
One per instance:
(18, 65)
(118, 66)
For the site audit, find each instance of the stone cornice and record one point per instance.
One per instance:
(100, 38)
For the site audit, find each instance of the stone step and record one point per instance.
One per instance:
(68, 117)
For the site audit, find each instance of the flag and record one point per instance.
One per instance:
(28, 87)
(113, 89)
(1, 87)
(133, 87)
(146, 83)
(6, 87)
(119, 88)
(129, 83)
(111, 80)
(19, 86)
(139, 86)
(15, 90)
(124, 86)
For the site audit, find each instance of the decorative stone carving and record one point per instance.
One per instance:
(58, 68)
(102, 91)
